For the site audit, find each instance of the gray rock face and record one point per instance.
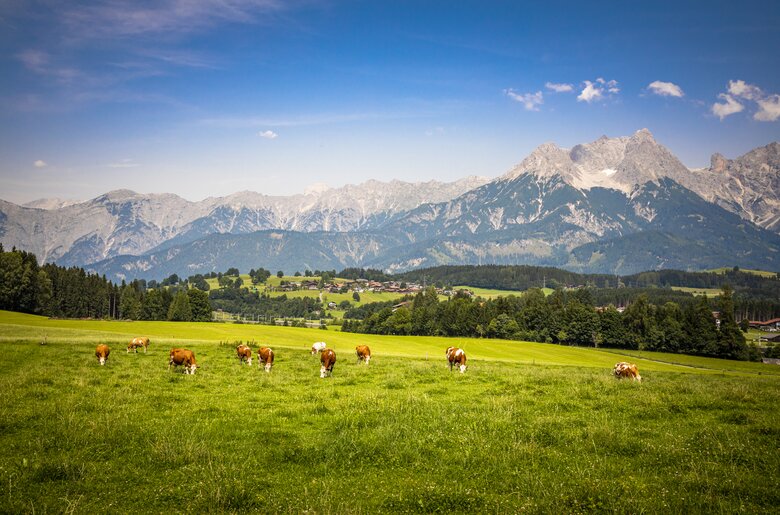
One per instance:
(125, 222)
(748, 185)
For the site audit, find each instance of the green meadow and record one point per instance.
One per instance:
(529, 427)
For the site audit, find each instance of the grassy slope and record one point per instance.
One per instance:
(22, 327)
(762, 273)
(401, 435)
(709, 292)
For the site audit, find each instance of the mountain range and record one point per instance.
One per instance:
(615, 205)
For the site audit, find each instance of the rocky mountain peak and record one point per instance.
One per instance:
(643, 135)
(718, 163)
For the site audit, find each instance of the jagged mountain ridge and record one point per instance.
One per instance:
(748, 185)
(682, 231)
(124, 222)
(580, 208)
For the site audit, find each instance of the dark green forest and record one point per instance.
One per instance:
(570, 317)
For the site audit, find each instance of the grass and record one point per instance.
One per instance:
(762, 273)
(708, 292)
(487, 293)
(529, 427)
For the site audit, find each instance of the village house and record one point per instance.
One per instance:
(768, 325)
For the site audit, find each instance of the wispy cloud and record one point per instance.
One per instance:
(269, 134)
(559, 88)
(599, 89)
(530, 101)
(124, 163)
(41, 63)
(40, 163)
(144, 39)
(767, 104)
(310, 119)
(168, 18)
(665, 89)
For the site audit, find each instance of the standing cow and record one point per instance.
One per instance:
(457, 357)
(182, 357)
(244, 354)
(265, 356)
(318, 347)
(101, 353)
(363, 353)
(140, 341)
(627, 370)
(327, 359)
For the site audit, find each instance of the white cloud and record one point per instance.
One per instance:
(728, 107)
(597, 90)
(665, 89)
(768, 104)
(768, 109)
(40, 164)
(530, 101)
(590, 92)
(124, 163)
(268, 134)
(739, 88)
(559, 88)
(435, 131)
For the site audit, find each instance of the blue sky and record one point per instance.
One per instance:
(205, 98)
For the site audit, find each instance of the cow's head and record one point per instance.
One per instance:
(102, 360)
(323, 372)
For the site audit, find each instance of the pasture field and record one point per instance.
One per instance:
(762, 273)
(529, 427)
(708, 292)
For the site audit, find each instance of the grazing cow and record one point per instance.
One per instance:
(318, 347)
(627, 370)
(328, 359)
(456, 356)
(244, 354)
(141, 341)
(363, 353)
(183, 357)
(101, 352)
(265, 356)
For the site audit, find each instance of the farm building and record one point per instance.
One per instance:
(768, 325)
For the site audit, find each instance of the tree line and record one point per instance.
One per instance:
(56, 291)
(569, 317)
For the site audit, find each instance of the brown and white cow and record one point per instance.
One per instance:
(244, 354)
(183, 357)
(101, 353)
(457, 357)
(265, 356)
(318, 347)
(363, 353)
(140, 341)
(626, 370)
(327, 359)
